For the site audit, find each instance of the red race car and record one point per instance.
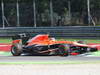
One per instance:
(42, 44)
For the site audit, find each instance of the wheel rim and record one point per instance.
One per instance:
(16, 50)
(63, 50)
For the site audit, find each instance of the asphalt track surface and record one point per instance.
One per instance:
(47, 58)
(49, 69)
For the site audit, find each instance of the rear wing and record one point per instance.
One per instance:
(23, 37)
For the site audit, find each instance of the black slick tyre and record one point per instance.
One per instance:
(63, 50)
(16, 50)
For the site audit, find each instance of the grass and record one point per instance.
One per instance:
(51, 62)
(85, 40)
(5, 40)
(9, 40)
(5, 53)
(96, 53)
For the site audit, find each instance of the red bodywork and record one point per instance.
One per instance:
(45, 40)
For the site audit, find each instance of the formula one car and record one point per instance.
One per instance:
(42, 44)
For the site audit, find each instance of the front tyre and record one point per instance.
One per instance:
(16, 49)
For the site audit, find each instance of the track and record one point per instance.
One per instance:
(46, 58)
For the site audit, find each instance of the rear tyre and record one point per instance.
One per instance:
(92, 49)
(16, 50)
(63, 50)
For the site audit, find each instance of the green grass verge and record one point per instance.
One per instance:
(85, 40)
(5, 53)
(9, 40)
(5, 40)
(51, 62)
(96, 53)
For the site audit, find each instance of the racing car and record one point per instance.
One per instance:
(43, 44)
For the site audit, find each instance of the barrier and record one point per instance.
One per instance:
(65, 32)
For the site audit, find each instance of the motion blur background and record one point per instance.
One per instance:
(44, 13)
